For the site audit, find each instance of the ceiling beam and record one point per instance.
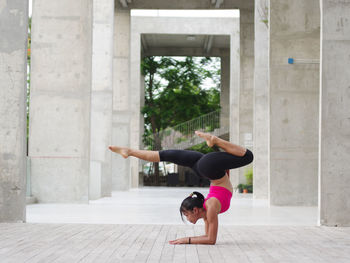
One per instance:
(205, 42)
(218, 3)
(210, 44)
(124, 3)
(144, 43)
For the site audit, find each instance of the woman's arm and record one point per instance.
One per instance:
(211, 227)
(206, 227)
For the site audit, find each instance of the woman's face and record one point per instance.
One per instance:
(192, 216)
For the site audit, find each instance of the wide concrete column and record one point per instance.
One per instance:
(334, 154)
(13, 121)
(59, 143)
(294, 92)
(261, 102)
(121, 98)
(225, 92)
(101, 99)
(246, 83)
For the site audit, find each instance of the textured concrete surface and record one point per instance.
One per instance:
(59, 143)
(334, 165)
(246, 81)
(13, 91)
(225, 92)
(101, 99)
(294, 94)
(149, 243)
(261, 136)
(121, 105)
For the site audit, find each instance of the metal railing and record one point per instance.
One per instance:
(182, 136)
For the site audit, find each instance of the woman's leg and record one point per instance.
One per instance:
(213, 165)
(180, 157)
(225, 145)
(152, 156)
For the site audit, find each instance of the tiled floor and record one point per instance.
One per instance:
(135, 226)
(149, 243)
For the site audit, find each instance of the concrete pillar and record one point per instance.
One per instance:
(261, 138)
(59, 143)
(294, 32)
(234, 92)
(13, 85)
(121, 98)
(246, 83)
(136, 119)
(334, 154)
(225, 92)
(101, 99)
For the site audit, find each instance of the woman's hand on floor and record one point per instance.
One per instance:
(178, 241)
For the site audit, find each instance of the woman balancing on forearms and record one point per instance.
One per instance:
(212, 166)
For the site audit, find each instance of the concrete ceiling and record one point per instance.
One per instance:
(202, 45)
(184, 4)
(190, 41)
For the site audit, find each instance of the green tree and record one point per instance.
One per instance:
(173, 93)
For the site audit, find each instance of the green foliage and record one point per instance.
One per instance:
(173, 92)
(249, 175)
(240, 187)
(249, 186)
(203, 148)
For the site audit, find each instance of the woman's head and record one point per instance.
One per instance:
(190, 207)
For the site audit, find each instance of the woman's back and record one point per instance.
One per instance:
(223, 182)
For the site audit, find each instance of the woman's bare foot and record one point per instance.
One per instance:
(123, 151)
(207, 137)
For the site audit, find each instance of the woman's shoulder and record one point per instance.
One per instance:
(213, 203)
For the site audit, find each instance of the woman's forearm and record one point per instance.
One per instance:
(202, 240)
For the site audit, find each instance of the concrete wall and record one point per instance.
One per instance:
(246, 83)
(59, 143)
(294, 32)
(101, 99)
(334, 165)
(121, 98)
(261, 102)
(13, 76)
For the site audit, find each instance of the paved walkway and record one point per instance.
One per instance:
(149, 243)
(136, 225)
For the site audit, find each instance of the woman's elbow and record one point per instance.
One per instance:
(211, 241)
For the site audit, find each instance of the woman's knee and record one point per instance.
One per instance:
(249, 156)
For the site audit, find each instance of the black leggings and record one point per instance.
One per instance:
(211, 165)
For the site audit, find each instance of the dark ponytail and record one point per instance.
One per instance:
(196, 199)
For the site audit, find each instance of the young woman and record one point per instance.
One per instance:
(213, 166)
